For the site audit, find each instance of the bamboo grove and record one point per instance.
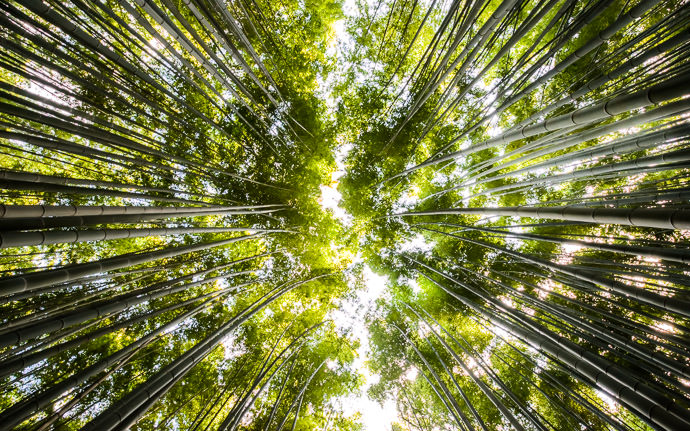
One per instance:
(517, 169)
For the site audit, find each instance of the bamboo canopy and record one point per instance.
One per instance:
(260, 215)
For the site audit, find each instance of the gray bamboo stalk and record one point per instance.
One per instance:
(30, 356)
(662, 218)
(26, 360)
(482, 386)
(54, 179)
(672, 304)
(556, 383)
(454, 409)
(561, 38)
(610, 377)
(48, 13)
(236, 414)
(450, 374)
(668, 161)
(528, 24)
(23, 409)
(137, 402)
(23, 239)
(279, 396)
(51, 277)
(617, 147)
(437, 80)
(52, 310)
(670, 89)
(301, 393)
(149, 392)
(103, 278)
(88, 191)
(31, 211)
(608, 77)
(265, 368)
(219, 400)
(62, 411)
(665, 253)
(57, 222)
(596, 330)
(101, 309)
(646, 197)
(630, 327)
(600, 38)
(544, 306)
(674, 108)
(68, 147)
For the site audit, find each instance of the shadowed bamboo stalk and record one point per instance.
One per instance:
(50, 277)
(32, 211)
(670, 89)
(102, 309)
(666, 253)
(23, 239)
(150, 391)
(663, 218)
(674, 304)
(608, 376)
(23, 409)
